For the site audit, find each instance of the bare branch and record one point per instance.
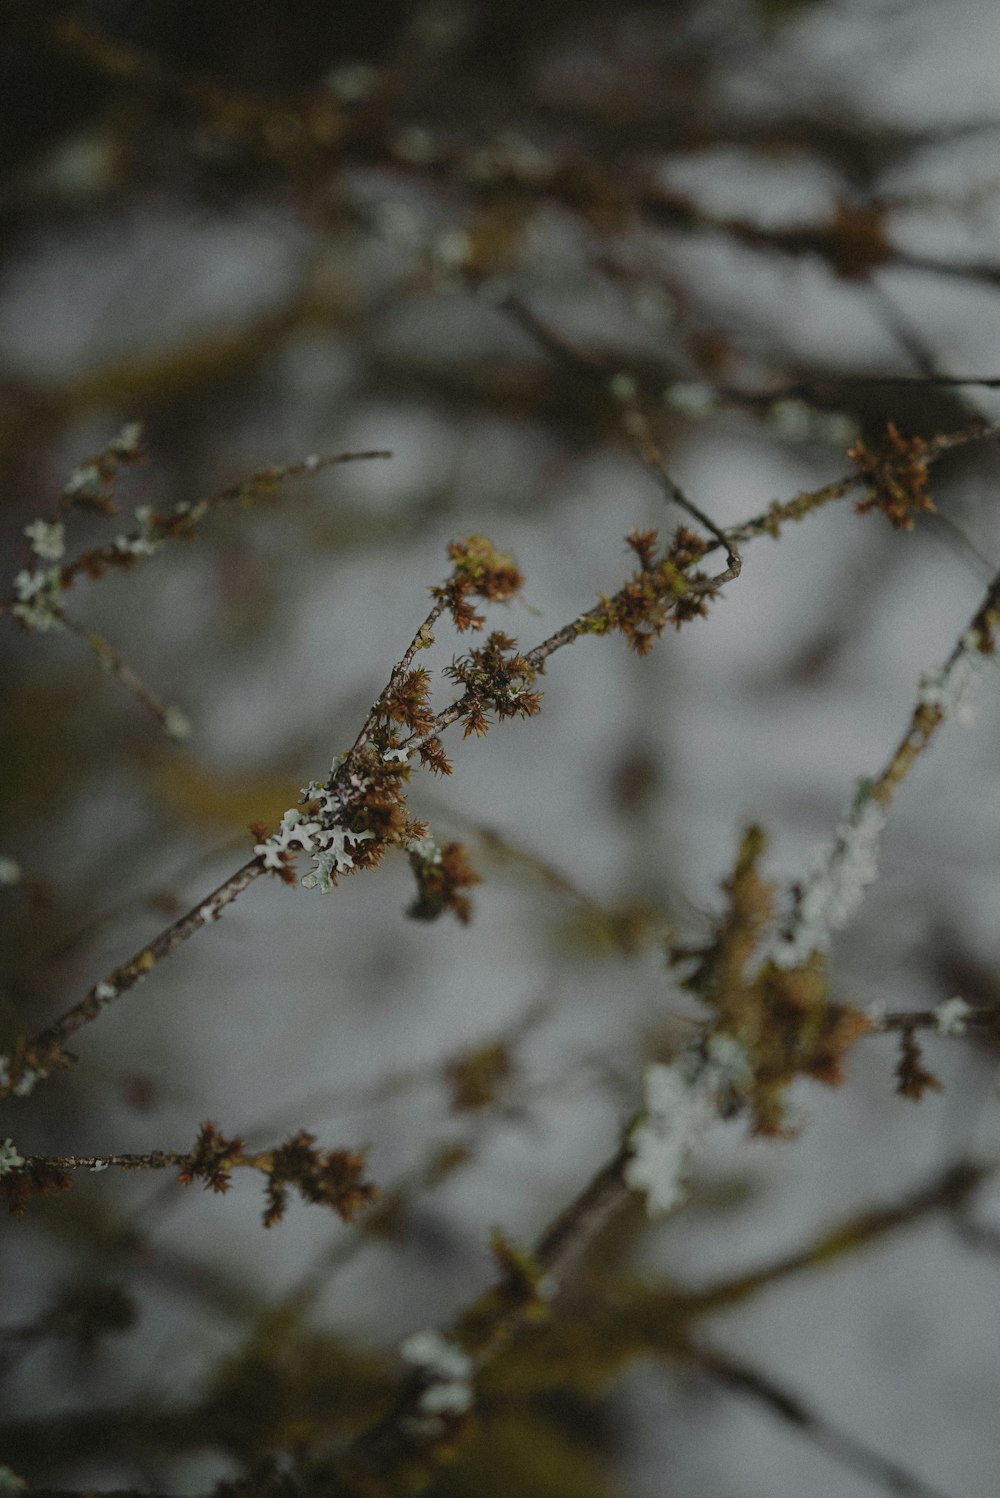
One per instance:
(843, 1447)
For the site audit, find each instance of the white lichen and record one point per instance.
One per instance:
(835, 884)
(425, 849)
(682, 1099)
(951, 1017)
(692, 397)
(25, 1083)
(176, 725)
(952, 686)
(294, 829)
(728, 1062)
(193, 512)
(623, 387)
(98, 1166)
(437, 1356)
(10, 1158)
(334, 858)
(797, 421)
(47, 539)
(676, 1115)
(83, 480)
(135, 546)
(149, 539)
(446, 1399)
(28, 1080)
(128, 443)
(876, 1014)
(328, 839)
(39, 598)
(448, 1374)
(105, 991)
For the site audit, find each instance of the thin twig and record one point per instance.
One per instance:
(420, 641)
(823, 904)
(918, 381)
(929, 1019)
(639, 429)
(159, 898)
(592, 368)
(581, 362)
(182, 519)
(333, 1178)
(47, 1045)
(928, 717)
(150, 1160)
(170, 718)
(948, 1192)
(770, 521)
(843, 1447)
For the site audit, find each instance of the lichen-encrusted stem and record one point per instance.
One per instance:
(927, 716)
(392, 1453)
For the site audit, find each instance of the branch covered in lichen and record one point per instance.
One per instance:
(350, 822)
(332, 1178)
(37, 603)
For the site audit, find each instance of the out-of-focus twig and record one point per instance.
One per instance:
(843, 1447)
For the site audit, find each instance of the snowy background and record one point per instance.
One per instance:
(337, 315)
